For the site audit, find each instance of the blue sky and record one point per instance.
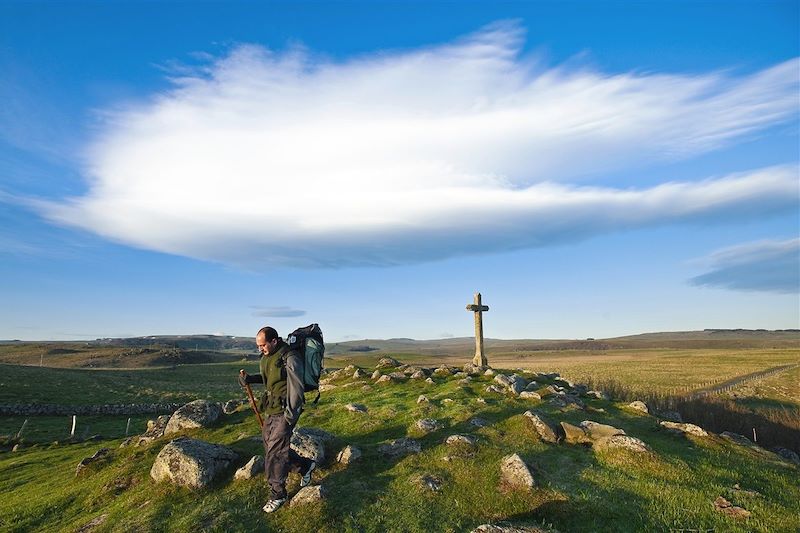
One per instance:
(593, 168)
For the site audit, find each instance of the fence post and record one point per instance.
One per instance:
(72, 431)
(128, 427)
(755, 439)
(19, 433)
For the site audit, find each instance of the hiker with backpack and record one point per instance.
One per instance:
(285, 374)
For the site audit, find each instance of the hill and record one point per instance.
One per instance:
(670, 482)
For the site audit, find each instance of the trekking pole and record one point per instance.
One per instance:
(252, 401)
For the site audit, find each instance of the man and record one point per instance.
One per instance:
(283, 402)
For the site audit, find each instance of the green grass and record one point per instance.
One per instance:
(578, 489)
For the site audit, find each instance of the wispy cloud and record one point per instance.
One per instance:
(771, 266)
(275, 312)
(288, 159)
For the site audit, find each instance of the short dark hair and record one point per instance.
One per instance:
(269, 333)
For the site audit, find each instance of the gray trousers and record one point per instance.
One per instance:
(279, 458)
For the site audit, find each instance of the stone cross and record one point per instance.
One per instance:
(478, 309)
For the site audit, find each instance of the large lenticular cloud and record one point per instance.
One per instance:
(270, 159)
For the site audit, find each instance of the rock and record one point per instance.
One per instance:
(575, 434)
(16, 448)
(472, 370)
(528, 395)
(309, 494)
(377, 374)
(532, 386)
(691, 429)
(597, 394)
(466, 381)
(126, 442)
(191, 463)
(429, 482)
(196, 414)
(724, 506)
(427, 425)
(348, 455)
(597, 431)
(639, 406)
(352, 384)
(515, 472)
(737, 439)
(419, 374)
(461, 440)
(460, 375)
(443, 371)
(397, 376)
(494, 388)
(740, 490)
(231, 406)
(544, 428)
(430, 381)
(480, 400)
(92, 524)
(98, 455)
(359, 374)
(308, 444)
(155, 430)
(621, 442)
(388, 362)
(253, 467)
(787, 454)
(499, 528)
(400, 447)
(323, 387)
(503, 380)
(356, 408)
(489, 372)
(319, 434)
(479, 422)
(447, 400)
(385, 379)
(518, 383)
(422, 399)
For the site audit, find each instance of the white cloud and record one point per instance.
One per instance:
(286, 159)
(276, 311)
(766, 266)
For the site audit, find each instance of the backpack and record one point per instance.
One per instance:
(308, 343)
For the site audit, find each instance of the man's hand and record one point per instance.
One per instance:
(242, 378)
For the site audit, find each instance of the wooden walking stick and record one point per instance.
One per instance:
(252, 401)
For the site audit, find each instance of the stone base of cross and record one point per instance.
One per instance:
(478, 309)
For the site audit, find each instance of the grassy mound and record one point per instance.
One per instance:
(577, 488)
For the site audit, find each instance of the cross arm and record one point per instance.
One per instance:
(476, 308)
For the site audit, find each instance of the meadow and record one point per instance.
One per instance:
(578, 488)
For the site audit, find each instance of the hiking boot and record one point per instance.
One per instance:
(274, 504)
(305, 481)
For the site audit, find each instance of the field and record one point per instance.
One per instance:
(578, 489)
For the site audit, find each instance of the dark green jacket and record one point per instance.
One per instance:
(281, 374)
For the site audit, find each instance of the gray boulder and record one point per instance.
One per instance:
(429, 482)
(529, 395)
(155, 430)
(547, 431)
(308, 443)
(423, 399)
(253, 467)
(639, 406)
(388, 362)
(575, 434)
(356, 408)
(596, 431)
(624, 442)
(231, 406)
(461, 440)
(309, 494)
(196, 414)
(191, 463)
(99, 455)
(377, 374)
(787, 454)
(515, 472)
(427, 425)
(400, 447)
(678, 427)
(479, 422)
(348, 455)
(419, 374)
(430, 381)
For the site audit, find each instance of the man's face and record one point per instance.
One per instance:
(264, 347)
